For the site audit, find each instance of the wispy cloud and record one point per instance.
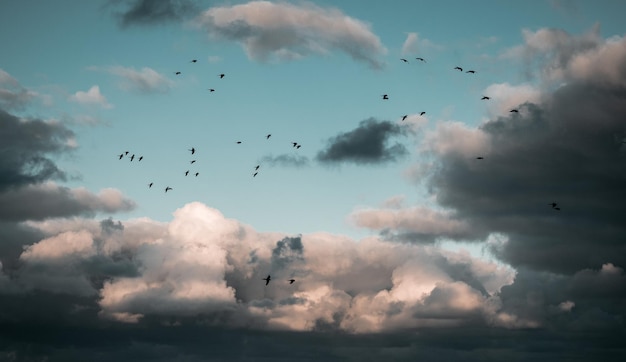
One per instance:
(153, 12)
(285, 31)
(286, 160)
(13, 96)
(146, 80)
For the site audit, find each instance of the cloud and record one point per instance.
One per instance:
(27, 146)
(91, 97)
(414, 44)
(366, 144)
(284, 31)
(146, 80)
(13, 96)
(153, 12)
(285, 160)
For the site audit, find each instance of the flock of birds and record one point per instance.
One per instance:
(296, 145)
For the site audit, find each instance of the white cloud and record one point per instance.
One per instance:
(145, 80)
(456, 138)
(287, 31)
(410, 44)
(90, 97)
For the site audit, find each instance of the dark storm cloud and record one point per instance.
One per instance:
(287, 251)
(285, 160)
(26, 146)
(366, 144)
(153, 12)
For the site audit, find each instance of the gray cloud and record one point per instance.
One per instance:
(13, 96)
(285, 160)
(285, 31)
(153, 12)
(26, 148)
(366, 144)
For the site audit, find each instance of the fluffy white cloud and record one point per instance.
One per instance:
(91, 97)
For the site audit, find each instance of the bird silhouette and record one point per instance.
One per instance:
(257, 167)
(422, 113)
(238, 142)
(294, 144)
(291, 281)
(211, 90)
(513, 111)
(177, 73)
(150, 184)
(194, 60)
(256, 173)
(222, 75)
(197, 173)
(132, 157)
(267, 280)
(268, 136)
(421, 59)
(140, 158)
(298, 147)
(168, 188)
(459, 68)
(485, 97)
(385, 96)
(471, 71)
(553, 204)
(186, 172)
(479, 158)
(404, 60)
(404, 117)
(121, 155)
(126, 153)
(192, 162)
(193, 150)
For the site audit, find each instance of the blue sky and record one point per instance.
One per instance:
(389, 226)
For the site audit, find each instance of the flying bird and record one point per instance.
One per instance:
(268, 136)
(193, 150)
(479, 158)
(404, 60)
(197, 173)
(177, 73)
(404, 117)
(168, 188)
(459, 68)
(238, 142)
(126, 153)
(192, 162)
(267, 280)
(294, 144)
(256, 173)
(132, 157)
(140, 158)
(150, 184)
(298, 146)
(291, 281)
(471, 71)
(186, 172)
(121, 155)
(385, 96)
(194, 60)
(421, 59)
(553, 204)
(257, 167)
(422, 113)
(485, 97)
(211, 90)
(222, 75)
(513, 111)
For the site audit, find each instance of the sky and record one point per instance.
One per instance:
(423, 210)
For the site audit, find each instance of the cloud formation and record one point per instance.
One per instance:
(153, 12)
(146, 80)
(366, 144)
(13, 96)
(285, 160)
(90, 97)
(283, 31)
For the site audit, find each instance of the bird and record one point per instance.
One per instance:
(298, 146)
(421, 59)
(256, 173)
(268, 136)
(177, 73)
(186, 172)
(553, 204)
(257, 167)
(194, 60)
(150, 184)
(404, 117)
(404, 60)
(211, 90)
(267, 280)
(513, 111)
(140, 158)
(459, 68)
(485, 97)
(385, 96)
(197, 173)
(422, 113)
(238, 142)
(168, 188)
(471, 71)
(222, 75)
(121, 155)
(291, 281)
(132, 157)
(126, 153)
(193, 150)
(479, 158)
(294, 144)
(192, 162)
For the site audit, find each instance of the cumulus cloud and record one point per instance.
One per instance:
(146, 80)
(153, 12)
(91, 97)
(287, 31)
(365, 144)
